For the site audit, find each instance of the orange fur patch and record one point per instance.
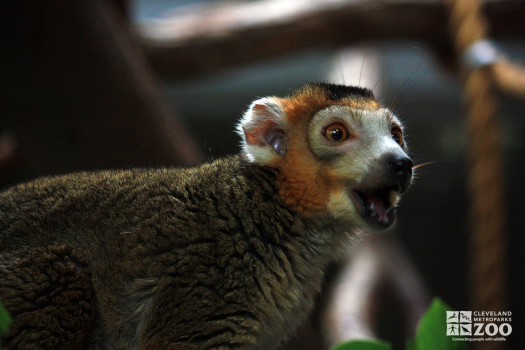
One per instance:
(304, 183)
(299, 183)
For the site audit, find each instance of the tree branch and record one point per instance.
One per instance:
(208, 37)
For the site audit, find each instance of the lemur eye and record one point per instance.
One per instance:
(397, 135)
(335, 132)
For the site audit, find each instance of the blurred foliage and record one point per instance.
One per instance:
(5, 321)
(431, 334)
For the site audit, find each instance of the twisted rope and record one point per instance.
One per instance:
(485, 175)
(509, 77)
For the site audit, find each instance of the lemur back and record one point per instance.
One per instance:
(226, 255)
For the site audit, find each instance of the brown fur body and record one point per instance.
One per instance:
(228, 255)
(198, 258)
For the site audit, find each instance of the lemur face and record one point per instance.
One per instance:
(364, 149)
(338, 152)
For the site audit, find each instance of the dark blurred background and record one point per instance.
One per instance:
(93, 84)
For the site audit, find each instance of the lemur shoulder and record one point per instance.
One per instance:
(226, 255)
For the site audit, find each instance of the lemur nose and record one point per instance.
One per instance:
(401, 168)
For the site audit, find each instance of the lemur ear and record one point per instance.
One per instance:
(262, 129)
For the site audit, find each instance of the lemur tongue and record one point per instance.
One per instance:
(375, 207)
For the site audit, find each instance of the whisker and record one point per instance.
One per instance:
(362, 65)
(421, 165)
(341, 68)
(407, 83)
(379, 80)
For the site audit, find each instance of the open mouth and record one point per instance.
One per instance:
(377, 206)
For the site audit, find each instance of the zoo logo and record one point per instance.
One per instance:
(478, 323)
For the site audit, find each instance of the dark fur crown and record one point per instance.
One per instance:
(336, 92)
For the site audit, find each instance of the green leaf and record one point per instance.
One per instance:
(5, 320)
(432, 330)
(411, 344)
(365, 344)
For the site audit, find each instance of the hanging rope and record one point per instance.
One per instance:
(486, 176)
(509, 77)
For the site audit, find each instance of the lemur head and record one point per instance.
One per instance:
(338, 152)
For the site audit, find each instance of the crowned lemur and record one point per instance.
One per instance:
(226, 255)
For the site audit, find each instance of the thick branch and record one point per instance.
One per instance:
(224, 34)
